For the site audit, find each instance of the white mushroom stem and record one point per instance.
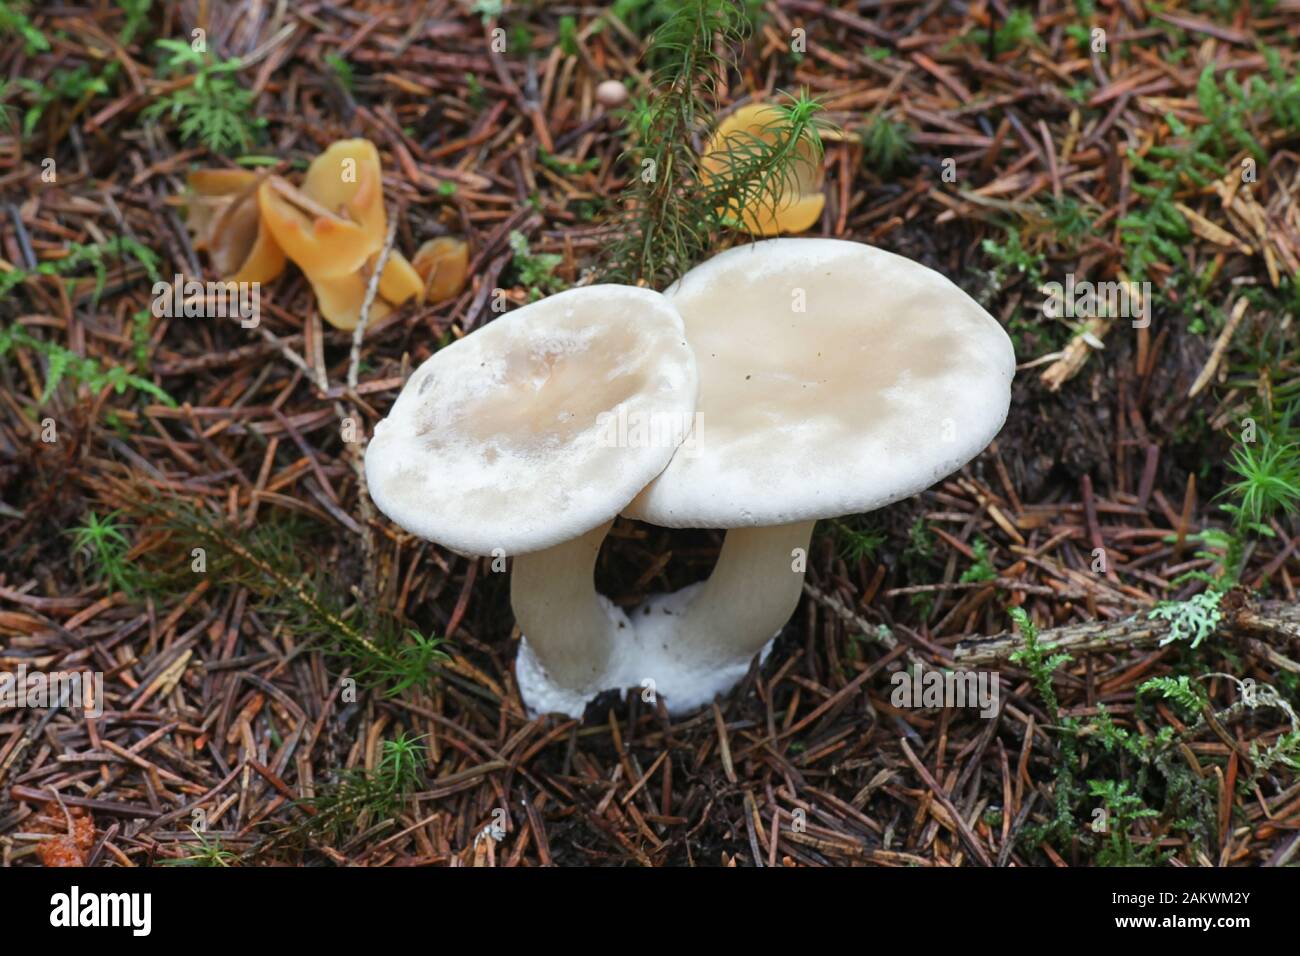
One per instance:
(751, 594)
(566, 624)
(689, 645)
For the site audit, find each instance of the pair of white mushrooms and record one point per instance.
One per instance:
(776, 384)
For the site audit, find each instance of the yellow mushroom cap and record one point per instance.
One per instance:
(443, 265)
(224, 217)
(238, 259)
(399, 280)
(347, 179)
(802, 201)
(340, 300)
(332, 228)
(211, 192)
(322, 243)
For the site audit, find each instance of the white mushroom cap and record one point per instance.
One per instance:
(835, 378)
(503, 439)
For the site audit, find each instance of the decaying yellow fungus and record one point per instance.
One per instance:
(399, 281)
(801, 199)
(321, 243)
(340, 298)
(443, 267)
(224, 218)
(333, 228)
(347, 179)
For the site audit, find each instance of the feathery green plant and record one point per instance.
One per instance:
(105, 544)
(356, 797)
(1228, 113)
(62, 362)
(857, 543)
(1232, 108)
(136, 14)
(1187, 799)
(407, 664)
(755, 171)
(213, 108)
(1070, 220)
(1122, 809)
(399, 765)
(1035, 659)
(567, 167)
(920, 543)
(1155, 229)
(1080, 34)
(981, 568)
(14, 20)
(1016, 30)
(209, 852)
(1081, 92)
(342, 70)
(6, 121)
(672, 210)
(1268, 480)
(94, 255)
(267, 561)
(535, 270)
(887, 144)
(1011, 258)
(644, 17)
(76, 86)
(475, 95)
(1187, 696)
(1267, 486)
(141, 330)
(567, 35)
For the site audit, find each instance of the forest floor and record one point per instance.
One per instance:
(1005, 149)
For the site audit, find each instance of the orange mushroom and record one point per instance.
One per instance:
(340, 299)
(333, 228)
(347, 179)
(224, 217)
(399, 281)
(801, 200)
(443, 266)
(321, 242)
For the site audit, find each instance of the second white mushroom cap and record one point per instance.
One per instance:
(835, 378)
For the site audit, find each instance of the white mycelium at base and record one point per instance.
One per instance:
(646, 646)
